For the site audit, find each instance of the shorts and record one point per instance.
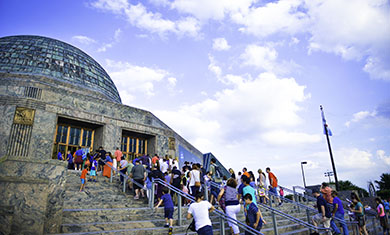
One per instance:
(168, 212)
(214, 191)
(273, 190)
(140, 181)
(361, 220)
(92, 173)
(82, 181)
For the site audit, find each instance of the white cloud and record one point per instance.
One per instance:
(116, 6)
(231, 115)
(284, 138)
(216, 10)
(164, 3)
(172, 82)
(188, 26)
(213, 67)
(115, 40)
(220, 44)
(357, 117)
(294, 41)
(284, 16)
(83, 39)
(355, 29)
(132, 80)
(266, 58)
(137, 15)
(382, 156)
(350, 159)
(260, 57)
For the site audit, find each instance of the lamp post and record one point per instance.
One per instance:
(303, 174)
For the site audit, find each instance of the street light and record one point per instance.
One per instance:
(303, 174)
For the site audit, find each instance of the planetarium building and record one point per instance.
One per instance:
(54, 98)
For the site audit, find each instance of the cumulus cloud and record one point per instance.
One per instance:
(360, 116)
(260, 57)
(220, 44)
(230, 114)
(115, 40)
(215, 10)
(214, 68)
(137, 15)
(350, 159)
(132, 79)
(284, 138)
(266, 58)
(284, 16)
(356, 30)
(83, 39)
(382, 156)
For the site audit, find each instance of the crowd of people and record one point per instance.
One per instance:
(225, 192)
(330, 206)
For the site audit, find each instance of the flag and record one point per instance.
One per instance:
(325, 124)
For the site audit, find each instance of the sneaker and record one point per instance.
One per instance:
(136, 198)
(166, 226)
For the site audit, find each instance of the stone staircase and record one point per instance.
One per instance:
(104, 209)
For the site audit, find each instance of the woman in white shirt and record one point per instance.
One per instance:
(194, 181)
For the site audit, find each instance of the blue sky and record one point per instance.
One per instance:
(243, 79)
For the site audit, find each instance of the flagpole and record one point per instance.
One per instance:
(330, 149)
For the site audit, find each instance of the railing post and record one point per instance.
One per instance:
(222, 225)
(124, 184)
(274, 219)
(296, 199)
(374, 226)
(112, 175)
(308, 218)
(179, 215)
(206, 192)
(152, 195)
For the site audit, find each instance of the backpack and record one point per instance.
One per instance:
(386, 206)
(191, 226)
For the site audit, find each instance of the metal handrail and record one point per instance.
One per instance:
(299, 221)
(218, 212)
(126, 177)
(303, 223)
(308, 207)
(303, 188)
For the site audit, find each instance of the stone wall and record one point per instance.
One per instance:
(34, 193)
(7, 114)
(73, 102)
(33, 186)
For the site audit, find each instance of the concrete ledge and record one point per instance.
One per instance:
(23, 179)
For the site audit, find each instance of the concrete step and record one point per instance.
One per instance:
(115, 214)
(137, 229)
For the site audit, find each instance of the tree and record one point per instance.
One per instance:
(348, 185)
(383, 186)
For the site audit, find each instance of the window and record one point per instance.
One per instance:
(70, 137)
(132, 146)
(62, 133)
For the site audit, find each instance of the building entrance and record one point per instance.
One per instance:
(134, 144)
(70, 134)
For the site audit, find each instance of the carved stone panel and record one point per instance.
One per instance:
(24, 116)
(171, 143)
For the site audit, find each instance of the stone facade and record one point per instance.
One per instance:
(31, 105)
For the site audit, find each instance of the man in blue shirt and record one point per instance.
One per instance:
(338, 212)
(324, 215)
